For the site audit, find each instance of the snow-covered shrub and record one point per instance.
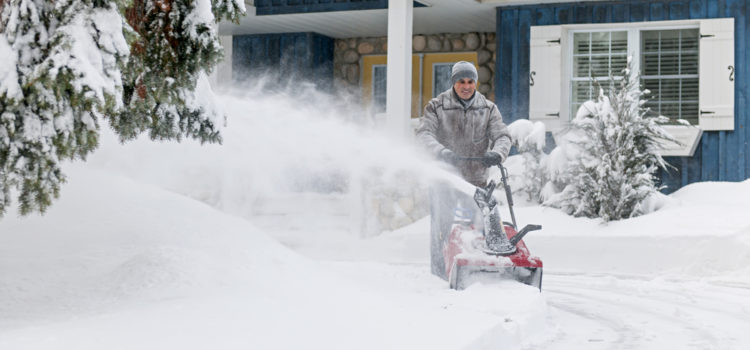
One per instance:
(612, 155)
(68, 65)
(529, 139)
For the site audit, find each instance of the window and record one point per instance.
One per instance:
(687, 65)
(597, 56)
(378, 87)
(668, 62)
(669, 69)
(441, 80)
(668, 65)
(374, 76)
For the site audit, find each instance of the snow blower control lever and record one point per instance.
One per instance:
(496, 249)
(484, 199)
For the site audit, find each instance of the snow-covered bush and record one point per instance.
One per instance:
(529, 139)
(612, 147)
(67, 65)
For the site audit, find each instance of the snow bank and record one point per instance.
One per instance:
(127, 258)
(700, 232)
(121, 265)
(113, 240)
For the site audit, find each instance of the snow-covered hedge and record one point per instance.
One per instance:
(605, 167)
(529, 139)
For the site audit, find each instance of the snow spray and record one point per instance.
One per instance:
(292, 149)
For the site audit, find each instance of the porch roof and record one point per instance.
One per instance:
(440, 16)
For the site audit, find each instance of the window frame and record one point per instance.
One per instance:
(374, 67)
(434, 80)
(570, 53)
(633, 49)
(366, 81)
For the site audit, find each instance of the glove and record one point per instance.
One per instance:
(492, 158)
(447, 156)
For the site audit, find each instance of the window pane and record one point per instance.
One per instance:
(650, 42)
(582, 91)
(581, 67)
(670, 110)
(600, 66)
(670, 91)
(620, 42)
(650, 64)
(581, 43)
(690, 89)
(651, 85)
(669, 65)
(599, 56)
(669, 40)
(442, 78)
(689, 112)
(600, 42)
(619, 62)
(690, 39)
(379, 82)
(689, 63)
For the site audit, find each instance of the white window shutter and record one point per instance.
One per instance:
(716, 74)
(545, 63)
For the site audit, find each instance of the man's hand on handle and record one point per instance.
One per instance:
(448, 156)
(492, 158)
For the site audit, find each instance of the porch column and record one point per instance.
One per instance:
(398, 88)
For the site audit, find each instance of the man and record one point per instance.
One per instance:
(457, 124)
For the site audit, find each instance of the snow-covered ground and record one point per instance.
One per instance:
(167, 246)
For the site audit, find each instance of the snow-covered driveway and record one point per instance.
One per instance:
(607, 312)
(600, 291)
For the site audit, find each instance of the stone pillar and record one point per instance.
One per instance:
(398, 95)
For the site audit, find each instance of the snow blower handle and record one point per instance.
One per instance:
(508, 193)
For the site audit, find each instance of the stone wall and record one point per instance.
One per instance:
(348, 53)
(392, 204)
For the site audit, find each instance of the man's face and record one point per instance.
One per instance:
(465, 87)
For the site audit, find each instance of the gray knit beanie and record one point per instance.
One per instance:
(462, 70)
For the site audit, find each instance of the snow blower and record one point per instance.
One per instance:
(474, 254)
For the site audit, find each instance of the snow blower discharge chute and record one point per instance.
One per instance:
(474, 254)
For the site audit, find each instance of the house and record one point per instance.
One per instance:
(536, 60)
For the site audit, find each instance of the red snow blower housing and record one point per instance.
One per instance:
(497, 250)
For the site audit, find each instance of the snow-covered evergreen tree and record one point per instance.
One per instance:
(173, 44)
(529, 139)
(616, 154)
(67, 65)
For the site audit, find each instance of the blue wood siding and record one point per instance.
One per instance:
(721, 155)
(289, 56)
(280, 7)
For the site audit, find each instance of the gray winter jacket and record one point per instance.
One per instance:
(468, 132)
